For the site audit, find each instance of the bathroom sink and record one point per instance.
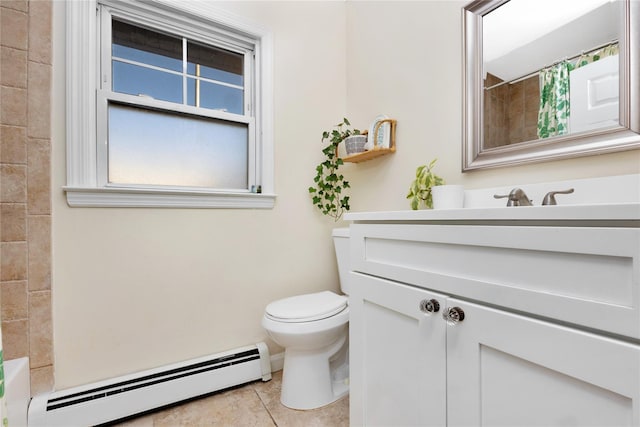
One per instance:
(595, 199)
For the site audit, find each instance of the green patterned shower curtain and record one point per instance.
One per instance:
(553, 116)
(588, 58)
(3, 401)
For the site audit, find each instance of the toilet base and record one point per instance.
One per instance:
(314, 379)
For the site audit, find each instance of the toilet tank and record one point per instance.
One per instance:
(341, 244)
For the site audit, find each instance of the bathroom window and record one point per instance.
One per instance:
(182, 108)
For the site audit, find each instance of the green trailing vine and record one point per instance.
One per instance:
(420, 190)
(328, 193)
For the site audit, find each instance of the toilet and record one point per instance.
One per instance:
(313, 329)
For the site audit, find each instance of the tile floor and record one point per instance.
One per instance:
(253, 405)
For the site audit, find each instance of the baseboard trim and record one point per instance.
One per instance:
(277, 362)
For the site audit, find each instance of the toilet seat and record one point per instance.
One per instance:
(306, 308)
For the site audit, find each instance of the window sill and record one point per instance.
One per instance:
(161, 198)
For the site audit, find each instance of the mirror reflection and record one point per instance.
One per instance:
(549, 69)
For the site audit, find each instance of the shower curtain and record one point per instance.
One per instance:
(3, 400)
(553, 116)
(588, 58)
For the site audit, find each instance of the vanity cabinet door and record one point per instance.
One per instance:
(397, 354)
(508, 370)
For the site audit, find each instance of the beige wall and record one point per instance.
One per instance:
(25, 196)
(138, 288)
(408, 66)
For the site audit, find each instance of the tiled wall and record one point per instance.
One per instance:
(25, 181)
(511, 111)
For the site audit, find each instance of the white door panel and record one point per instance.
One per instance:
(397, 354)
(594, 94)
(508, 370)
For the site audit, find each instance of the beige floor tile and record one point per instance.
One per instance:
(239, 407)
(253, 405)
(333, 415)
(142, 421)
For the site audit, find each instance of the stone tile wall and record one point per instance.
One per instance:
(511, 111)
(524, 103)
(25, 186)
(496, 123)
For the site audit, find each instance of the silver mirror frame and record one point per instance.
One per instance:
(624, 137)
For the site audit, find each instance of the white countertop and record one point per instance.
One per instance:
(614, 198)
(602, 212)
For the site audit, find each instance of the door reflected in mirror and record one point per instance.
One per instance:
(546, 78)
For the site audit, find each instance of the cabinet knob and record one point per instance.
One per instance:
(453, 315)
(429, 306)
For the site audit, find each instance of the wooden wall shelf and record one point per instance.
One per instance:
(376, 151)
(368, 155)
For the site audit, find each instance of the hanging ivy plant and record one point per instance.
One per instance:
(328, 193)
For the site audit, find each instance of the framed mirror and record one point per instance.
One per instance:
(564, 84)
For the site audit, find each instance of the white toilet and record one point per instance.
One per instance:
(313, 329)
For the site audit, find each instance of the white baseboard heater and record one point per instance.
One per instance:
(132, 394)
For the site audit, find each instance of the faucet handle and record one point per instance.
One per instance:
(503, 196)
(517, 197)
(550, 198)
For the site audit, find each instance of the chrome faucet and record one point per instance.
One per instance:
(550, 198)
(516, 197)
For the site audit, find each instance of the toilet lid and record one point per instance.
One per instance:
(306, 308)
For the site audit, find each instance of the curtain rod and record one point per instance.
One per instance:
(526, 76)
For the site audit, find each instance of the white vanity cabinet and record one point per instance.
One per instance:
(550, 334)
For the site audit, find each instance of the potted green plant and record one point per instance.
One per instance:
(328, 192)
(420, 191)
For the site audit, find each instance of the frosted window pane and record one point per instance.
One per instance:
(149, 147)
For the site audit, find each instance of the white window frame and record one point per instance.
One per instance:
(86, 145)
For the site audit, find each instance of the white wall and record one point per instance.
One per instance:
(137, 288)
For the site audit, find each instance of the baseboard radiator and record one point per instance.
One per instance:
(129, 395)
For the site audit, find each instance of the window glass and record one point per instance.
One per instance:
(215, 64)
(147, 47)
(148, 63)
(136, 80)
(214, 96)
(154, 148)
